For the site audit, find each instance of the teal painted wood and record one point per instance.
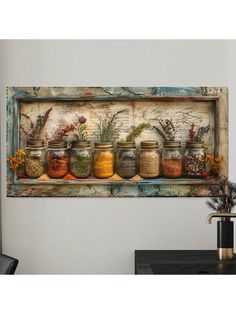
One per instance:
(94, 181)
(144, 188)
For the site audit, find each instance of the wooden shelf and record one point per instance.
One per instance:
(110, 181)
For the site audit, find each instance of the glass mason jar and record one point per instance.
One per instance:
(34, 158)
(57, 159)
(104, 159)
(126, 160)
(80, 159)
(194, 159)
(172, 159)
(149, 160)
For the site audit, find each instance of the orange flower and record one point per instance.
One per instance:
(20, 161)
(213, 165)
(13, 159)
(13, 163)
(16, 161)
(20, 152)
(209, 158)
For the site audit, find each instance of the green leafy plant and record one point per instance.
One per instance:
(81, 130)
(137, 131)
(109, 128)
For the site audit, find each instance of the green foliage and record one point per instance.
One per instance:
(137, 131)
(83, 165)
(109, 128)
(81, 133)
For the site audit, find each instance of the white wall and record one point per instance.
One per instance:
(99, 236)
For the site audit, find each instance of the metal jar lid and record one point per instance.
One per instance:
(172, 144)
(149, 144)
(191, 144)
(103, 145)
(57, 144)
(77, 144)
(35, 143)
(126, 145)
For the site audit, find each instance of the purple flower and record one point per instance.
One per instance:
(82, 120)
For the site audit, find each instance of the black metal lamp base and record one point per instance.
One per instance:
(225, 239)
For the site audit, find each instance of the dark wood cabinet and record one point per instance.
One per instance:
(180, 262)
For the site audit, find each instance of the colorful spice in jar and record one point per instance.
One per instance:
(80, 159)
(104, 158)
(126, 160)
(35, 158)
(57, 159)
(149, 160)
(172, 159)
(194, 161)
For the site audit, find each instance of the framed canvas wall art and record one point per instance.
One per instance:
(115, 141)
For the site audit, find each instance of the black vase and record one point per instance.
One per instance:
(225, 239)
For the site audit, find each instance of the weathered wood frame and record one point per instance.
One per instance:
(157, 187)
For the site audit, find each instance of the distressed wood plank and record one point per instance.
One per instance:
(94, 181)
(120, 98)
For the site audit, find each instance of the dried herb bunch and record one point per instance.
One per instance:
(34, 130)
(223, 197)
(62, 132)
(137, 131)
(192, 132)
(197, 136)
(167, 129)
(109, 128)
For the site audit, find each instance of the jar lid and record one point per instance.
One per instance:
(191, 144)
(149, 144)
(172, 144)
(126, 144)
(57, 144)
(77, 144)
(35, 143)
(105, 145)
